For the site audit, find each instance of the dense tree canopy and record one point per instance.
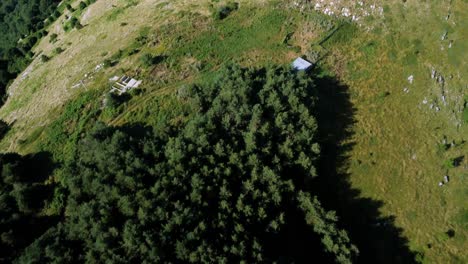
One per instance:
(21, 25)
(22, 197)
(229, 186)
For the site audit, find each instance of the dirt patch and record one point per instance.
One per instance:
(304, 36)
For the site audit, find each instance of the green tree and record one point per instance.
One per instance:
(82, 5)
(22, 197)
(21, 26)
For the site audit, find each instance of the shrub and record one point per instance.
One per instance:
(82, 5)
(107, 63)
(53, 38)
(148, 59)
(31, 41)
(113, 100)
(449, 164)
(383, 94)
(223, 11)
(44, 58)
(75, 23)
(58, 50)
(56, 14)
(69, 8)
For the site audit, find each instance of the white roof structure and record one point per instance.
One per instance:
(131, 83)
(301, 65)
(124, 84)
(114, 79)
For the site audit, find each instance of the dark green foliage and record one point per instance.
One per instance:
(63, 134)
(82, 5)
(53, 38)
(44, 58)
(51, 247)
(4, 128)
(72, 23)
(21, 24)
(335, 241)
(58, 50)
(449, 164)
(148, 59)
(56, 14)
(113, 100)
(223, 11)
(89, 2)
(229, 186)
(22, 196)
(107, 63)
(75, 23)
(69, 7)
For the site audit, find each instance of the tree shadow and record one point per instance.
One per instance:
(24, 197)
(39, 166)
(4, 128)
(377, 237)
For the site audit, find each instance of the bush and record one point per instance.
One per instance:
(53, 38)
(113, 100)
(82, 5)
(31, 41)
(107, 63)
(75, 23)
(449, 163)
(223, 11)
(58, 50)
(56, 14)
(148, 59)
(44, 58)
(70, 8)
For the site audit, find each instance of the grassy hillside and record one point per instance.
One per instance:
(407, 134)
(404, 127)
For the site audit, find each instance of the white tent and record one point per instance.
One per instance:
(301, 65)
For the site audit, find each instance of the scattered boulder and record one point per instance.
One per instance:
(410, 78)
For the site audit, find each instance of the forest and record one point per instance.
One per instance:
(22, 24)
(232, 184)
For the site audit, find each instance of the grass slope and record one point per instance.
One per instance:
(398, 155)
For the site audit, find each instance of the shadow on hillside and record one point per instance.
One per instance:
(39, 166)
(25, 195)
(4, 128)
(376, 236)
